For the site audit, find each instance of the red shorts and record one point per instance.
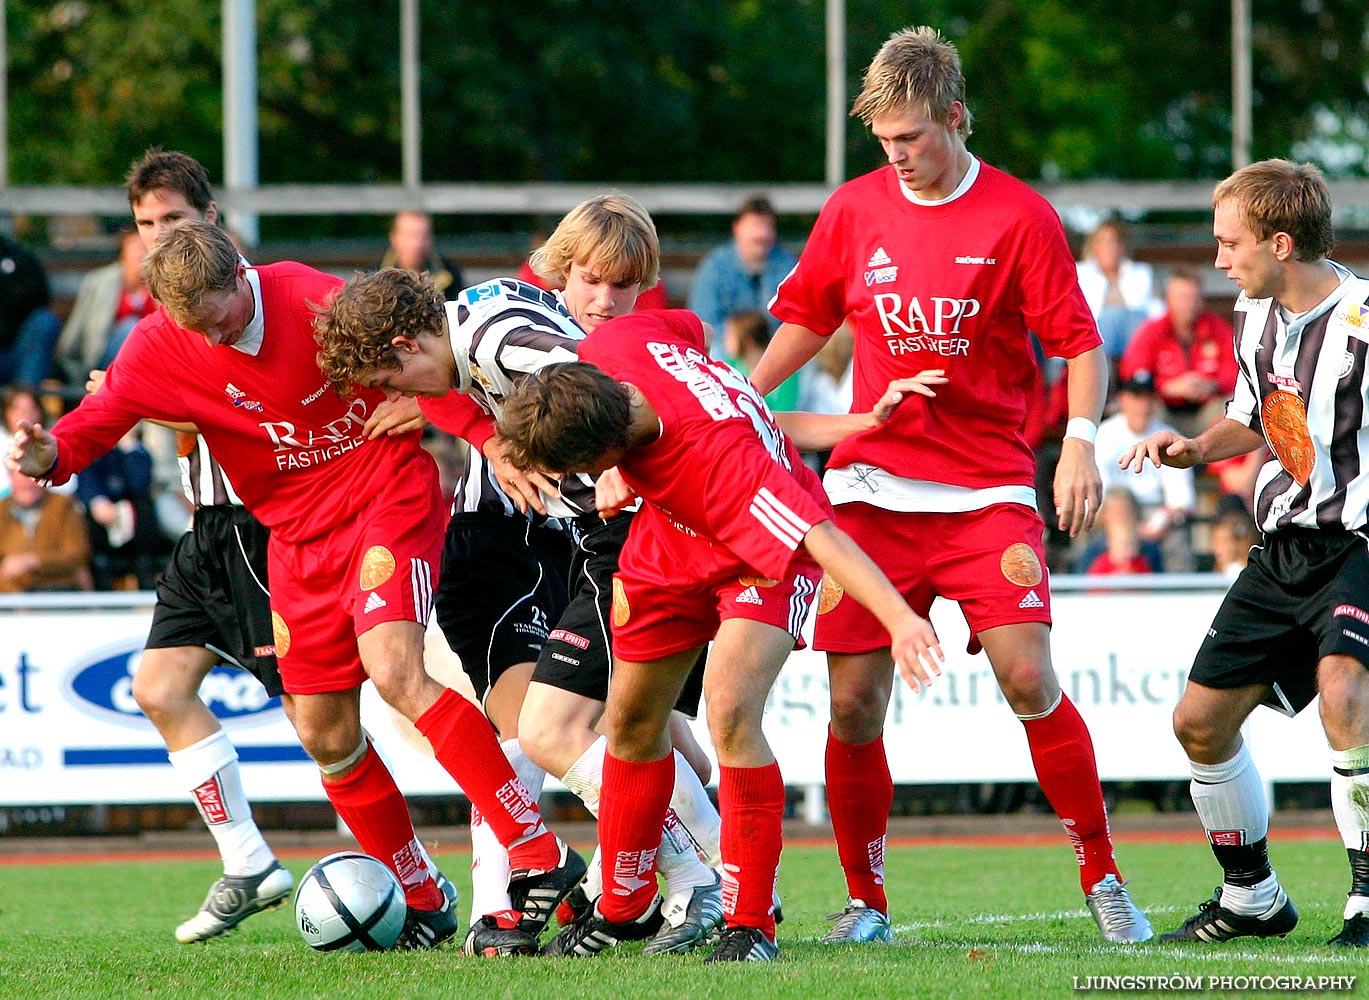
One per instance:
(991, 562)
(671, 594)
(379, 567)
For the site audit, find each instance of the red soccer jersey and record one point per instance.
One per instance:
(1155, 348)
(293, 447)
(954, 285)
(721, 468)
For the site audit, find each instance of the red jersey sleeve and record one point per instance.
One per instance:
(458, 413)
(1053, 304)
(813, 295)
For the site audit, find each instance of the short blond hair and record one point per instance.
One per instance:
(918, 69)
(613, 231)
(188, 263)
(1280, 196)
(355, 329)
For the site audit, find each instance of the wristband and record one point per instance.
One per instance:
(1082, 428)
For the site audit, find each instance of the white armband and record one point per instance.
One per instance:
(1082, 428)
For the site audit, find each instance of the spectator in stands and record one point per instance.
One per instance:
(744, 273)
(43, 544)
(1123, 550)
(654, 297)
(126, 538)
(1165, 495)
(1232, 536)
(1120, 291)
(1188, 351)
(411, 247)
(28, 326)
(745, 336)
(110, 301)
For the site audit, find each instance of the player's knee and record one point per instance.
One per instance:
(1027, 687)
(327, 742)
(857, 715)
(734, 722)
(160, 688)
(1202, 736)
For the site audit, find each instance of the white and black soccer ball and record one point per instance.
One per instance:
(350, 902)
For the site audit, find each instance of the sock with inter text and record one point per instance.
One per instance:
(752, 807)
(631, 811)
(860, 793)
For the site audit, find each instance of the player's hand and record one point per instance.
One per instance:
(1162, 448)
(34, 451)
(899, 389)
(917, 652)
(397, 415)
(95, 379)
(611, 493)
(523, 488)
(1078, 487)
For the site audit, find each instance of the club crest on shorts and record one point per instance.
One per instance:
(377, 566)
(830, 595)
(1020, 565)
(757, 581)
(1284, 415)
(621, 611)
(281, 632)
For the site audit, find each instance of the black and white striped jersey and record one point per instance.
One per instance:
(1304, 385)
(502, 330)
(202, 478)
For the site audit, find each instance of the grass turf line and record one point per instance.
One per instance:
(971, 922)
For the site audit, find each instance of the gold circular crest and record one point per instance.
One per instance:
(1284, 416)
(621, 611)
(1020, 565)
(830, 595)
(377, 566)
(757, 581)
(281, 633)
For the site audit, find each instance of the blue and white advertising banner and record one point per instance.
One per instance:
(71, 733)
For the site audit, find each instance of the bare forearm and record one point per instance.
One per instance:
(822, 431)
(1227, 439)
(838, 554)
(1088, 384)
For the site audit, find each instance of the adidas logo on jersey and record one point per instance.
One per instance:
(1031, 601)
(233, 391)
(749, 596)
(373, 602)
(878, 259)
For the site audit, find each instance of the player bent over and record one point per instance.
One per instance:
(391, 329)
(356, 526)
(730, 546)
(1295, 624)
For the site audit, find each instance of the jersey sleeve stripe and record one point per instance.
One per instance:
(778, 519)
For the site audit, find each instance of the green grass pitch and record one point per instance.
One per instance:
(981, 922)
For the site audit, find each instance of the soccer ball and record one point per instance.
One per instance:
(350, 902)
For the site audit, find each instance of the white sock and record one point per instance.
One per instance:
(586, 776)
(1251, 901)
(531, 776)
(678, 861)
(1230, 798)
(209, 769)
(696, 812)
(594, 877)
(489, 870)
(1350, 796)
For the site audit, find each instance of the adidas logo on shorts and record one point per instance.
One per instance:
(373, 602)
(1030, 601)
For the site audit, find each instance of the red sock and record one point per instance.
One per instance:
(370, 804)
(751, 802)
(632, 807)
(1062, 751)
(860, 793)
(465, 744)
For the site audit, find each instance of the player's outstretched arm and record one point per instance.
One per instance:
(1224, 439)
(95, 379)
(914, 646)
(823, 431)
(34, 451)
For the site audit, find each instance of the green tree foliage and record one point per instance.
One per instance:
(625, 90)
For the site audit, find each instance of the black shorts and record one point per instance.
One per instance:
(1304, 595)
(214, 594)
(502, 584)
(577, 656)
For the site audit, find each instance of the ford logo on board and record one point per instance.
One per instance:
(102, 686)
